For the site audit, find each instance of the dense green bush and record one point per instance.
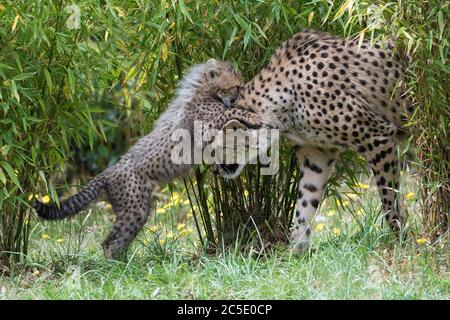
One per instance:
(53, 80)
(57, 84)
(257, 29)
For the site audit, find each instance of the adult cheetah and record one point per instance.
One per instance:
(204, 95)
(326, 95)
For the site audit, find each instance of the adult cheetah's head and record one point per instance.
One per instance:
(246, 145)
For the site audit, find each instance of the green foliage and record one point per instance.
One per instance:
(58, 85)
(53, 80)
(253, 210)
(68, 264)
(258, 29)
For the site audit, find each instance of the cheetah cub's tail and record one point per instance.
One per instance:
(72, 205)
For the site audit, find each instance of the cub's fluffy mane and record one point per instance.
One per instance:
(186, 91)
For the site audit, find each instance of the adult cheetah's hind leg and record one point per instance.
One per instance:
(383, 161)
(129, 221)
(315, 166)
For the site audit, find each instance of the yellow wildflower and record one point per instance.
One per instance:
(331, 213)
(181, 226)
(170, 235)
(189, 215)
(320, 226)
(120, 12)
(345, 203)
(359, 212)
(336, 231)
(175, 196)
(410, 196)
(60, 240)
(45, 236)
(36, 272)
(104, 205)
(352, 195)
(174, 203)
(45, 199)
(31, 196)
(162, 241)
(186, 232)
(145, 241)
(154, 228)
(422, 240)
(363, 186)
(161, 210)
(186, 202)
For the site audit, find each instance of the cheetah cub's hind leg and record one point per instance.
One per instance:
(131, 216)
(315, 166)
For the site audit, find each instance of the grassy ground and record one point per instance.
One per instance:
(352, 257)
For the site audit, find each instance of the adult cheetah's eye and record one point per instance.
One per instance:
(240, 90)
(226, 98)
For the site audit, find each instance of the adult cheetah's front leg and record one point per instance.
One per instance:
(315, 166)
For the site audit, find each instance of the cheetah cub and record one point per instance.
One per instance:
(204, 94)
(326, 94)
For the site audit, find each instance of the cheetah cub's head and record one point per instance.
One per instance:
(222, 81)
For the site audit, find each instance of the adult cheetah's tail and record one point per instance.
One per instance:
(72, 205)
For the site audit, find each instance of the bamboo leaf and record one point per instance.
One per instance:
(71, 80)
(310, 17)
(14, 25)
(164, 51)
(2, 177)
(14, 91)
(48, 80)
(23, 76)
(10, 171)
(346, 6)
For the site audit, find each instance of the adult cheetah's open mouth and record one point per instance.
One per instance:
(229, 169)
(232, 170)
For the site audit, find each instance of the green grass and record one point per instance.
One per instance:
(344, 269)
(352, 257)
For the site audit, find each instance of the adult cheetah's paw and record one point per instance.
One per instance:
(299, 241)
(301, 247)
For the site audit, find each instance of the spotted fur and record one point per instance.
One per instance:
(326, 95)
(203, 94)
